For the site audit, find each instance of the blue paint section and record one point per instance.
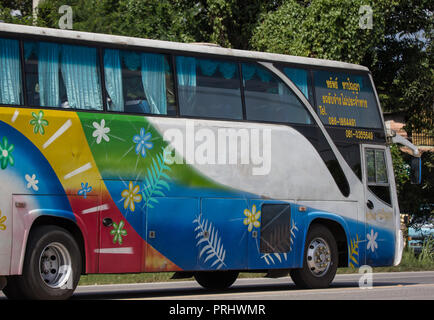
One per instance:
(380, 246)
(33, 174)
(172, 224)
(200, 229)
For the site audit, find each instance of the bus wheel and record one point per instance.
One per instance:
(320, 260)
(216, 279)
(51, 269)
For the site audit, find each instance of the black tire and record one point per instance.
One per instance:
(54, 251)
(320, 244)
(216, 280)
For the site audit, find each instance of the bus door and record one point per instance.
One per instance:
(379, 218)
(121, 228)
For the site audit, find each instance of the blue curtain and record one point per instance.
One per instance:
(263, 74)
(48, 74)
(208, 67)
(80, 74)
(248, 71)
(131, 60)
(113, 79)
(154, 82)
(10, 75)
(299, 77)
(186, 74)
(228, 69)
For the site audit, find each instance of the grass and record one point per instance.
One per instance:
(409, 262)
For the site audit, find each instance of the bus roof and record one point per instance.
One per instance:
(169, 45)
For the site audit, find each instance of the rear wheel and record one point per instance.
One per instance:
(52, 266)
(320, 260)
(216, 279)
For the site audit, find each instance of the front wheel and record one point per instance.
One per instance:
(216, 279)
(52, 266)
(320, 260)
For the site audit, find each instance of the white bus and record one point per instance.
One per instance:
(126, 155)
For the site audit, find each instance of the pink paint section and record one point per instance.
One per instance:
(23, 219)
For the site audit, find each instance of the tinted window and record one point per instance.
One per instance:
(376, 166)
(208, 88)
(61, 75)
(10, 72)
(376, 174)
(346, 100)
(269, 99)
(351, 153)
(138, 82)
(300, 77)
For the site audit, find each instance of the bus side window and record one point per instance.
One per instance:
(10, 74)
(138, 82)
(61, 75)
(209, 88)
(269, 99)
(376, 174)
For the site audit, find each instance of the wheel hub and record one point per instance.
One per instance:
(55, 265)
(318, 257)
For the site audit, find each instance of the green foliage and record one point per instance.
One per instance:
(413, 197)
(325, 29)
(24, 6)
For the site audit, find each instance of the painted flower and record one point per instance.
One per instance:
(131, 195)
(85, 189)
(118, 232)
(32, 182)
(252, 218)
(2, 221)
(38, 122)
(372, 244)
(6, 153)
(100, 131)
(143, 142)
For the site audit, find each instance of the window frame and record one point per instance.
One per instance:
(217, 58)
(173, 53)
(171, 57)
(375, 150)
(260, 65)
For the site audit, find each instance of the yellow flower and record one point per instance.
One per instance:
(2, 220)
(130, 196)
(252, 218)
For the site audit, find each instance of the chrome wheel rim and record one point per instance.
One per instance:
(55, 265)
(318, 257)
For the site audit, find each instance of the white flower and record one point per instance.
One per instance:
(372, 244)
(32, 182)
(100, 131)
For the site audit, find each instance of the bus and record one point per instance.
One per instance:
(128, 155)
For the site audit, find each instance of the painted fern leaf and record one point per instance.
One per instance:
(155, 182)
(293, 230)
(354, 252)
(209, 242)
(268, 257)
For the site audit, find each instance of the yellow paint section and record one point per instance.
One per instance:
(63, 143)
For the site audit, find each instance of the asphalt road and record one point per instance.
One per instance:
(390, 286)
(385, 286)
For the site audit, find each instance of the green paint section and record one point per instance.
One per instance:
(124, 147)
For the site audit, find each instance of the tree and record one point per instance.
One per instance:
(23, 7)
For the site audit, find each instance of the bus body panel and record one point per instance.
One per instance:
(152, 193)
(191, 192)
